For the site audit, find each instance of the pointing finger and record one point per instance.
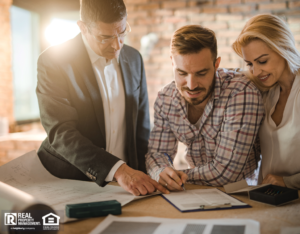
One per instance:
(159, 187)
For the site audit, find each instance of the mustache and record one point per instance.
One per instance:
(194, 90)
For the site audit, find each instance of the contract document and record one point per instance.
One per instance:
(202, 199)
(151, 225)
(27, 174)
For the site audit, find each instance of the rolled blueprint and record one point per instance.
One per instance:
(16, 203)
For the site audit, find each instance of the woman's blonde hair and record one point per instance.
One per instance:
(275, 33)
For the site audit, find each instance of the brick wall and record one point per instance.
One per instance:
(13, 145)
(6, 85)
(17, 144)
(225, 17)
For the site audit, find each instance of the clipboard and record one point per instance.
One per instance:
(213, 207)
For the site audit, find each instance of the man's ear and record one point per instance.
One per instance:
(217, 63)
(82, 27)
(171, 57)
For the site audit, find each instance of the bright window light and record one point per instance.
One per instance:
(61, 30)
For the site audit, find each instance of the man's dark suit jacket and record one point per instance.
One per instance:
(72, 113)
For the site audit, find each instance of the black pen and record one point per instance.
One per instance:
(171, 165)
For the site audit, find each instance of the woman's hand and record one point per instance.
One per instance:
(273, 179)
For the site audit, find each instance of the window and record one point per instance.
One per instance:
(63, 26)
(26, 49)
(25, 52)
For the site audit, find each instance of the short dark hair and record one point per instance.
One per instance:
(192, 39)
(106, 11)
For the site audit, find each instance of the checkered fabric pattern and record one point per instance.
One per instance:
(225, 148)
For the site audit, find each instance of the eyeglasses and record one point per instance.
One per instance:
(104, 39)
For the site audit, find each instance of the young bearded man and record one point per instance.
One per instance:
(93, 101)
(215, 112)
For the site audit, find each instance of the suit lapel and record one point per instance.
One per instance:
(128, 86)
(126, 74)
(84, 67)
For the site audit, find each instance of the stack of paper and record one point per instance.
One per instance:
(27, 174)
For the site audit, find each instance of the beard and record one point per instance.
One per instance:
(196, 101)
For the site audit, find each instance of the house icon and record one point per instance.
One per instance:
(51, 219)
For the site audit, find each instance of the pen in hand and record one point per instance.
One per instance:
(171, 165)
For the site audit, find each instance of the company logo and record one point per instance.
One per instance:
(10, 218)
(51, 219)
(51, 222)
(35, 220)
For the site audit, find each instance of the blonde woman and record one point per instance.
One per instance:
(268, 48)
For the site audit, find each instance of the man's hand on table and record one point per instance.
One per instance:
(137, 182)
(273, 179)
(172, 179)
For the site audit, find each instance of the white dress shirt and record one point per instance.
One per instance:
(280, 145)
(110, 82)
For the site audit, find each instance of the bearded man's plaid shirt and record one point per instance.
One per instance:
(225, 148)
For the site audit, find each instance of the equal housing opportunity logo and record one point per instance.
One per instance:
(33, 221)
(51, 222)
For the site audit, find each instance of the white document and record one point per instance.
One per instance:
(151, 225)
(240, 186)
(195, 199)
(290, 230)
(27, 174)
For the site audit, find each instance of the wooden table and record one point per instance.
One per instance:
(271, 218)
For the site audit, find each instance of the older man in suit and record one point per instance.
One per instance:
(93, 101)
